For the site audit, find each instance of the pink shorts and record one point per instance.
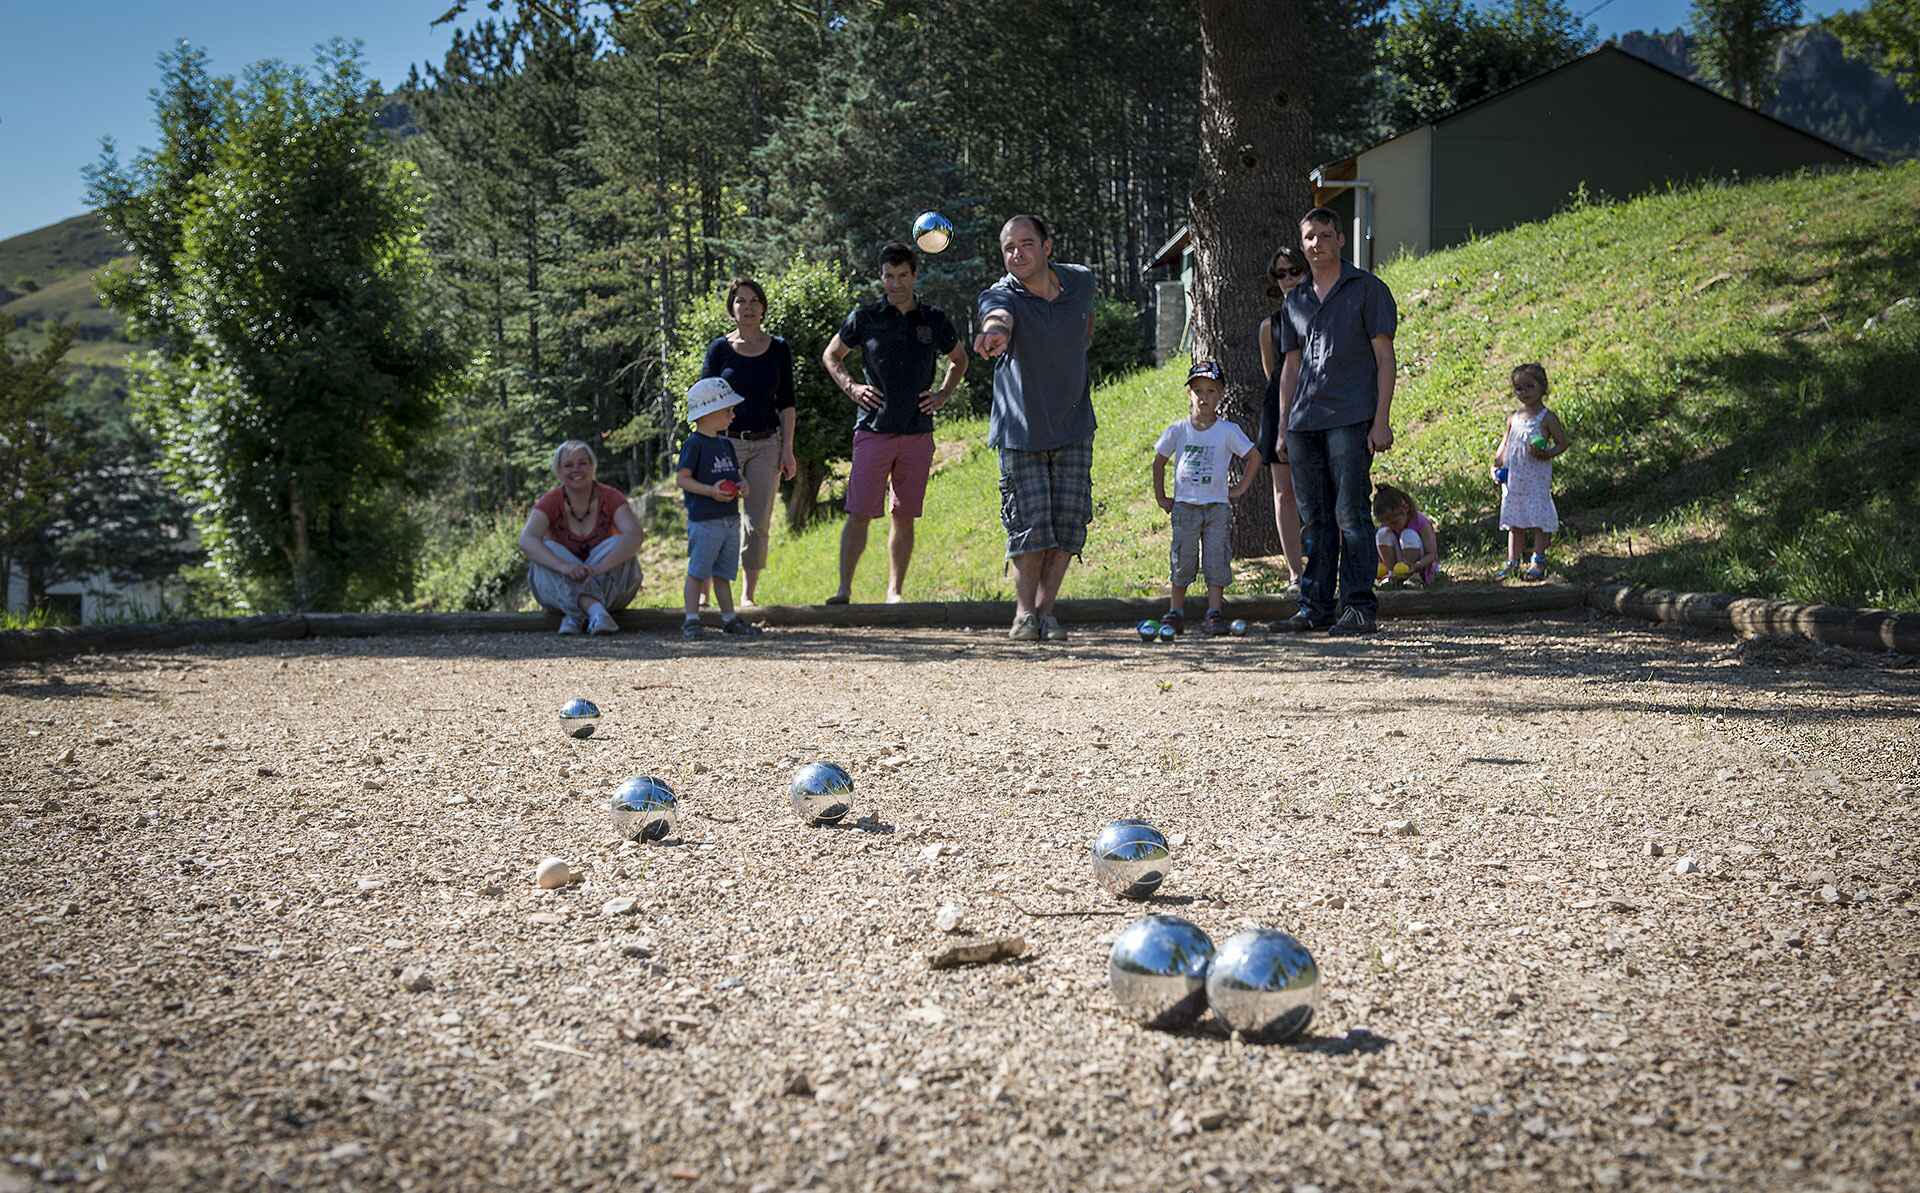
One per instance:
(905, 459)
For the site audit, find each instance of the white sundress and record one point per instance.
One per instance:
(1526, 500)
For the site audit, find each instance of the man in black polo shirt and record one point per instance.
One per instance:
(898, 338)
(1336, 404)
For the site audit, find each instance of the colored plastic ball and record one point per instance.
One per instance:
(1148, 630)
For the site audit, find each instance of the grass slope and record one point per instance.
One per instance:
(1734, 426)
(61, 261)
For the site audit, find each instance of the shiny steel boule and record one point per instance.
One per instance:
(1158, 971)
(933, 232)
(1148, 630)
(1264, 984)
(645, 809)
(1167, 633)
(1238, 627)
(822, 793)
(580, 718)
(1131, 859)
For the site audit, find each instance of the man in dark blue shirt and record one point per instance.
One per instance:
(1336, 402)
(899, 338)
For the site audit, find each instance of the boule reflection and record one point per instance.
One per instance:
(1264, 984)
(645, 809)
(1158, 971)
(1131, 858)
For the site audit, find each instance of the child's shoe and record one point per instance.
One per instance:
(1215, 623)
(691, 629)
(1508, 570)
(1176, 619)
(1536, 568)
(740, 628)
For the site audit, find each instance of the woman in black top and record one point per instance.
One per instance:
(759, 367)
(1287, 270)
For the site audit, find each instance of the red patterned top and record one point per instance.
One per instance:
(608, 501)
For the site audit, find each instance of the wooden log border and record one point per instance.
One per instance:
(1862, 629)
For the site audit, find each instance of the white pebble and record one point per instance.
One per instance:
(1686, 865)
(553, 874)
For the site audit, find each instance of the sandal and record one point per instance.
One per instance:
(1176, 619)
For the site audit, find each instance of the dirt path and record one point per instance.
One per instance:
(220, 901)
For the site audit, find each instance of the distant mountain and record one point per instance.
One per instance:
(1821, 90)
(47, 275)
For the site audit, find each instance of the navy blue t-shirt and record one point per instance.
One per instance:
(711, 460)
(898, 350)
(764, 382)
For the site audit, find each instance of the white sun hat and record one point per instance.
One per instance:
(708, 395)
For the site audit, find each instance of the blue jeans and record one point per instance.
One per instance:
(1332, 482)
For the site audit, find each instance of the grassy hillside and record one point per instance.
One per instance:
(47, 275)
(1736, 427)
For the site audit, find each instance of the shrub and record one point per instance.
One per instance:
(475, 572)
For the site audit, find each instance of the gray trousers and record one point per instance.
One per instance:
(615, 589)
(1200, 540)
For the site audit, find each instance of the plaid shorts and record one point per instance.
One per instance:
(1046, 498)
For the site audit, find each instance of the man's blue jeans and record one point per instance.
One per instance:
(1332, 482)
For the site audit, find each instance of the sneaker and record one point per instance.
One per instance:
(740, 628)
(1176, 619)
(601, 622)
(1352, 623)
(1215, 623)
(570, 623)
(691, 629)
(1508, 570)
(1536, 568)
(1300, 623)
(1051, 630)
(1026, 628)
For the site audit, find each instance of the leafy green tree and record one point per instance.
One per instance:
(1443, 54)
(1347, 40)
(278, 261)
(1886, 35)
(1735, 43)
(40, 456)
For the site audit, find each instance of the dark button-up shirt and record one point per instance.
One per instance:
(1042, 398)
(1339, 381)
(898, 350)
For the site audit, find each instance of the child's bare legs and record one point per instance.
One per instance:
(723, 593)
(1516, 543)
(1540, 541)
(1216, 594)
(1177, 600)
(695, 586)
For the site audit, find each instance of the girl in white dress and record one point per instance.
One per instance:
(1524, 468)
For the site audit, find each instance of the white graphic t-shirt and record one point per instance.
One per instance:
(1200, 458)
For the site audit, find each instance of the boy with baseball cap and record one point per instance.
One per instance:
(710, 483)
(1204, 444)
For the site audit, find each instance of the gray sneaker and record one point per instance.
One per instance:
(1026, 628)
(1051, 630)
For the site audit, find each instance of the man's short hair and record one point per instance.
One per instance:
(1040, 228)
(899, 252)
(1322, 215)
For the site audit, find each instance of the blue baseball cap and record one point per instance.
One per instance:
(1207, 368)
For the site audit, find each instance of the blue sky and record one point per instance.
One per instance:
(72, 71)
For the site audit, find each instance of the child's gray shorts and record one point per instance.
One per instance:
(1200, 541)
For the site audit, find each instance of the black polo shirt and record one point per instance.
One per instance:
(897, 351)
(1339, 382)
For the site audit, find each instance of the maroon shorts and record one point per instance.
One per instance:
(905, 460)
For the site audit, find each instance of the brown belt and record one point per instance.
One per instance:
(750, 436)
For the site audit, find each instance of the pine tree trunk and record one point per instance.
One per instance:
(1256, 144)
(803, 493)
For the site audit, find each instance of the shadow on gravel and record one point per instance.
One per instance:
(52, 683)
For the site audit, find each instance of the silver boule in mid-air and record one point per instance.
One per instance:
(1264, 984)
(1131, 858)
(579, 718)
(822, 793)
(1158, 971)
(645, 809)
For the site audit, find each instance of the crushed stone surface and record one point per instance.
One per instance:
(272, 918)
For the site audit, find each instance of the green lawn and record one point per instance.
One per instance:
(1736, 427)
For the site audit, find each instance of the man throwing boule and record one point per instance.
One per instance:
(1035, 324)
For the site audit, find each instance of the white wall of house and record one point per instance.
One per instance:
(1402, 175)
(99, 597)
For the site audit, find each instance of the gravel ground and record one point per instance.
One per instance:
(273, 919)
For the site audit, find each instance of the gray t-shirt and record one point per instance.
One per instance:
(1339, 382)
(1042, 398)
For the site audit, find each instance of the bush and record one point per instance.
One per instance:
(476, 572)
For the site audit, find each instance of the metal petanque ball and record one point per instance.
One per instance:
(1131, 858)
(1158, 971)
(822, 793)
(933, 232)
(1238, 627)
(1148, 630)
(580, 718)
(645, 809)
(1264, 984)
(1168, 633)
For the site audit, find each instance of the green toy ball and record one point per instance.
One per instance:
(1540, 442)
(1149, 630)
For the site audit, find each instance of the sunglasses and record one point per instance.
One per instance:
(1292, 273)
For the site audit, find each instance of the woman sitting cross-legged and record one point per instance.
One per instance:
(580, 540)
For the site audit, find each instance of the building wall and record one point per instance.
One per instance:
(1611, 121)
(98, 597)
(1402, 195)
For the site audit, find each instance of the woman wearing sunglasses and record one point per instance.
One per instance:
(1287, 270)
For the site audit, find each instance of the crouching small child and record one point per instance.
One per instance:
(1408, 546)
(710, 482)
(1204, 446)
